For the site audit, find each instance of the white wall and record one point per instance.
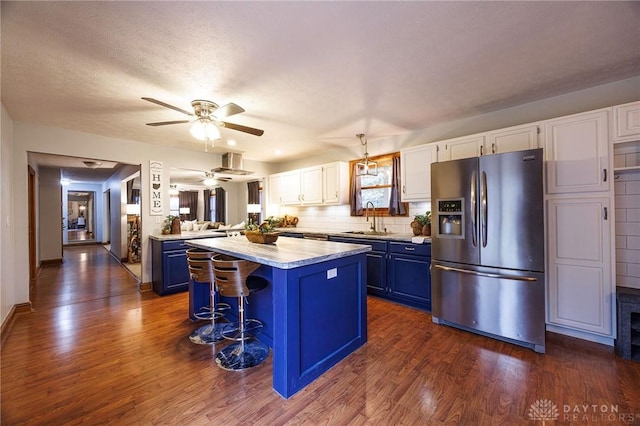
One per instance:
(8, 297)
(49, 214)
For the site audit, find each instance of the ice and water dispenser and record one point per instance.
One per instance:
(450, 218)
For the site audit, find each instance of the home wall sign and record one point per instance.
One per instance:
(155, 188)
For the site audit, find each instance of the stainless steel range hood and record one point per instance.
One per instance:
(231, 165)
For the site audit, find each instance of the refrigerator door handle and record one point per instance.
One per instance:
(483, 215)
(485, 274)
(474, 211)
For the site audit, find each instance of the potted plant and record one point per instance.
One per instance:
(264, 233)
(421, 224)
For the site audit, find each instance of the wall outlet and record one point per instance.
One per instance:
(332, 273)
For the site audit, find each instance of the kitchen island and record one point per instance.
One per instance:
(314, 310)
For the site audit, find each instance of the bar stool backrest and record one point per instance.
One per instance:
(194, 253)
(231, 275)
(200, 271)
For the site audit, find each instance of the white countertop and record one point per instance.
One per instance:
(286, 253)
(187, 235)
(389, 236)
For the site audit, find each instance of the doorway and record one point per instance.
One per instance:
(81, 217)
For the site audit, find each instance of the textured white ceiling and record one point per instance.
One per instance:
(311, 74)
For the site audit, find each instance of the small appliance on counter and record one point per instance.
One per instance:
(487, 269)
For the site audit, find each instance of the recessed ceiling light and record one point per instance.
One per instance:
(277, 152)
(231, 142)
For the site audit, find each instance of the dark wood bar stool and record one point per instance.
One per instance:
(201, 273)
(233, 278)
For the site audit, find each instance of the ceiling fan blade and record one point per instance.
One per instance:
(241, 128)
(157, 102)
(228, 110)
(164, 123)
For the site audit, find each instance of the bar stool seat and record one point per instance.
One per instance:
(201, 271)
(233, 278)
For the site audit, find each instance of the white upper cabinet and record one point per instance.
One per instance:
(318, 185)
(311, 184)
(626, 126)
(415, 167)
(466, 147)
(512, 139)
(336, 183)
(291, 188)
(276, 196)
(577, 153)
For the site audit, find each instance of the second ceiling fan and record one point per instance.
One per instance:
(208, 117)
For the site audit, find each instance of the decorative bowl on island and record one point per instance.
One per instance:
(261, 234)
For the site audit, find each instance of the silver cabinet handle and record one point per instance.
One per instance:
(485, 274)
(410, 248)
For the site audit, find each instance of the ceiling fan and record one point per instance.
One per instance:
(210, 178)
(207, 118)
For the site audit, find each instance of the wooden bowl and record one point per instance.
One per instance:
(260, 238)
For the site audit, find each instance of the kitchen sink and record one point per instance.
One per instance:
(366, 232)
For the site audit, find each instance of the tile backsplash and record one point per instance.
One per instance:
(338, 218)
(627, 193)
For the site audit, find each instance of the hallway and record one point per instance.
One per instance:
(97, 351)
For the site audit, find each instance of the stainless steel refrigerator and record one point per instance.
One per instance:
(487, 266)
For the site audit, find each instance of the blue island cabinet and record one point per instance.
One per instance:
(314, 310)
(169, 270)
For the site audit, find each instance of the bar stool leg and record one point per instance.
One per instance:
(247, 352)
(212, 333)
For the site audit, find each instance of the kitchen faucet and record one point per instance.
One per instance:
(373, 227)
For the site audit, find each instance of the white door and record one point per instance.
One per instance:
(415, 166)
(579, 271)
(577, 153)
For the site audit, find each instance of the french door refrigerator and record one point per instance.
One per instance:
(487, 269)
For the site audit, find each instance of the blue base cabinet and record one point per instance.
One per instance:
(409, 274)
(397, 271)
(169, 270)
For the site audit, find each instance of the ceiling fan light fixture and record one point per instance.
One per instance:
(209, 180)
(205, 130)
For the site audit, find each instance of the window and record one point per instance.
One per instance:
(377, 189)
(174, 205)
(212, 207)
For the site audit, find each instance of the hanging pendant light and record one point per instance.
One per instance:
(365, 167)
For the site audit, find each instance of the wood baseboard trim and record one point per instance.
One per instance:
(51, 262)
(9, 320)
(22, 308)
(145, 287)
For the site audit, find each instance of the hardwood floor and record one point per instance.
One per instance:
(96, 351)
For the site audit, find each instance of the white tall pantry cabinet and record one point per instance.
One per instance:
(580, 226)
